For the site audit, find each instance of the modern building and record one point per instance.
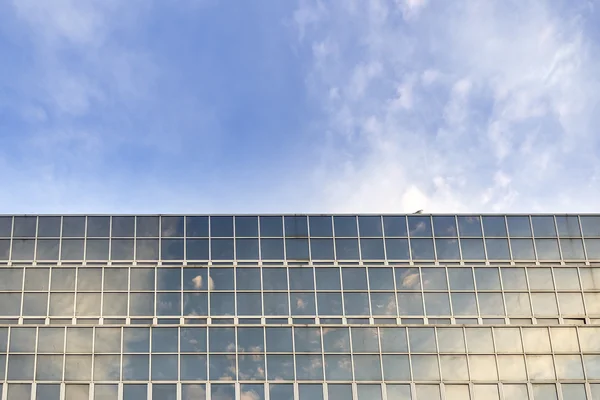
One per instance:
(296, 307)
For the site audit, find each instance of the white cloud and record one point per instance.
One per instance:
(465, 108)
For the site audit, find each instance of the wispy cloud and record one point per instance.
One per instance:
(455, 106)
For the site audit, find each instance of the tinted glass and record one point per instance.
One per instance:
(197, 226)
(98, 226)
(24, 226)
(296, 226)
(197, 249)
(171, 226)
(246, 226)
(49, 226)
(444, 226)
(73, 226)
(518, 226)
(147, 226)
(345, 226)
(123, 226)
(221, 226)
(568, 226)
(419, 226)
(395, 226)
(543, 226)
(6, 226)
(370, 226)
(271, 226)
(321, 226)
(494, 226)
(469, 226)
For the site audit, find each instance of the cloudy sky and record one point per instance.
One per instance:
(206, 106)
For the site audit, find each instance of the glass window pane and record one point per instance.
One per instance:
(454, 368)
(171, 226)
(483, 368)
(321, 226)
(78, 368)
(396, 367)
(461, 279)
(135, 391)
(419, 226)
(371, 249)
(172, 249)
(345, 226)
(321, 249)
(310, 392)
(479, 340)
(147, 226)
(497, 249)
(487, 278)
(547, 249)
(410, 304)
(457, 392)
(284, 391)
(422, 340)
(196, 226)
(246, 249)
(338, 367)
(24, 226)
(568, 225)
(590, 225)
(543, 226)
(271, 249)
(544, 392)
(106, 392)
(302, 304)
(107, 368)
(494, 226)
(280, 367)
(123, 226)
(536, 340)
(515, 391)
(96, 249)
(296, 249)
(365, 340)
(369, 392)
(10, 304)
(397, 249)
(472, 249)
(367, 368)
(296, 226)
(356, 304)
(485, 392)
(463, 303)
(522, 249)
(221, 226)
(19, 391)
(422, 249)
(48, 226)
(309, 367)
(22, 249)
(518, 226)
(395, 226)
(346, 249)
(572, 249)
(47, 249)
(121, 249)
(354, 278)
(193, 367)
(336, 340)
(575, 391)
(73, 226)
(513, 278)
(427, 392)
(335, 392)
(447, 249)
(491, 304)
(437, 304)
(517, 304)
(425, 368)
(47, 392)
(271, 226)
(221, 249)
(512, 367)
(544, 304)
(445, 226)
(370, 226)
(164, 367)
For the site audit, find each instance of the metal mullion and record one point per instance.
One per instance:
(344, 317)
(234, 238)
(560, 252)
(582, 292)
(368, 290)
(75, 295)
(60, 241)
(110, 220)
(84, 256)
(317, 312)
(10, 244)
(395, 293)
(585, 255)
(35, 356)
(209, 238)
(449, 292)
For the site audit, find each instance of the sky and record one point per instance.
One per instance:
(268, 106)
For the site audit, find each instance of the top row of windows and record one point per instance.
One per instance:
(301, 226)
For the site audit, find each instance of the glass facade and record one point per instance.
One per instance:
(298, 307)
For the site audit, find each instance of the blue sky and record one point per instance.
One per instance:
(207, 106)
